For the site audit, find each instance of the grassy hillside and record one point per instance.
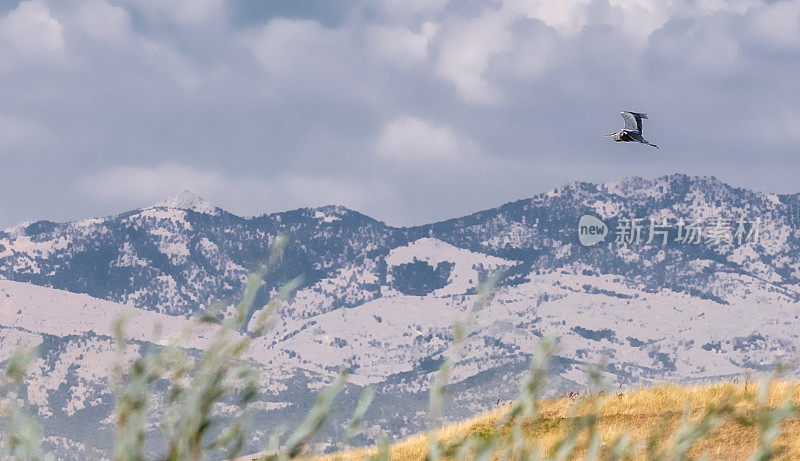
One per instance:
(659, 420)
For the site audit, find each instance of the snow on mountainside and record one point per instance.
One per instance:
(467, 267)
(184, 253)
(188, 201)
(60, 313)
(67, 384)
(382, 300)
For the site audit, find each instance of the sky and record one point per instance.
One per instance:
(410, 111)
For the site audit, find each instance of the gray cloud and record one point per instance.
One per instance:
(408, 111)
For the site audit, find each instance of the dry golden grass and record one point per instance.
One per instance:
(642, 413)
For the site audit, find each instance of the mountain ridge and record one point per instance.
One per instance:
(204, 254)
(381, 300)
(191, 201)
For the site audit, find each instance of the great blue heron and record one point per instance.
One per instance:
(633, 129)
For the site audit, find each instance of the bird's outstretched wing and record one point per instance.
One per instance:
(633, 120)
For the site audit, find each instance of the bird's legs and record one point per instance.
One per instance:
(654, 145)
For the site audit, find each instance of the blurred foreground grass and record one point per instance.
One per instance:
(652, 417)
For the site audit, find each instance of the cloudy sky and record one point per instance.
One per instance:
(407, 110)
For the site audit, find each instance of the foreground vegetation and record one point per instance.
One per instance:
(724, 420)
(721, 421)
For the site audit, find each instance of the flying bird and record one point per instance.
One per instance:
(633, 129)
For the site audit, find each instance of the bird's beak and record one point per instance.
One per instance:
(612, 134)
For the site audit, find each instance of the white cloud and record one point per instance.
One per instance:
(713, 50)
(148, 184)
(769, 120)
(535, 50)
(400, 45)
(778, 23)
(30, 32)
(409, 139)
(256, 196)
(246, 194)
(302, 57)
(470, 45)
(465, 51)
(312, 98)
(103, 21)
(403, 9)
(285, 47)
(16, 132)
(185, 12)
(566, 16)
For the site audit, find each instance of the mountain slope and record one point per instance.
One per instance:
(175, 260)
(381, 301)
(642, 414)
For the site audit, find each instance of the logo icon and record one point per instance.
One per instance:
(591, 230)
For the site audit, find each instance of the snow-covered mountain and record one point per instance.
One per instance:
(381, 300)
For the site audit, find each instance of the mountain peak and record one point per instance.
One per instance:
(188, 200)
(639, 186)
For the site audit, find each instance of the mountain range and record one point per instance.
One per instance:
(381, 300)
